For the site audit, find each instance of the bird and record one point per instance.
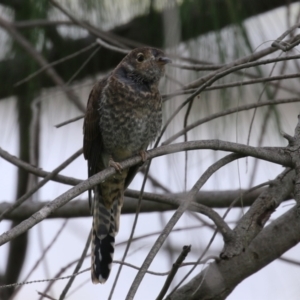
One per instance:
(123, 117)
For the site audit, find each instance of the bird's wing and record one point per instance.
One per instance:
(92, 143)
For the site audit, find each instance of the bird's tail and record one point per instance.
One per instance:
(105, 228)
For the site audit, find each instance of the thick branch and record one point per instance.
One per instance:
(220, 278)
(151, 203)
(222, 226)
(259, 213)
(275, 155)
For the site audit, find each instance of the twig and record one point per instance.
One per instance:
(36, 171)
(77, 268)
(155, 183)
(41, 183)
(167, 97)
(83, 65)
(174, 219)
(287, 32)
(110, 47)
(42, 280)
(174, 80)
(41, 22)
(242, 66)
(285, 46)
(175, 267)
(42, 62)
(158, 232)
(46, 296)
(51, 280)
(234, 66)
(151, 202)
(94, 31)
(271, 109)
(227, 112)
(197, 67)
(42, 256)
(79, 286)
(210, 79)
(242, 194)
(253, 81)
(264, 153)
(207, 80)
(290, 261)
(265, 87)
(69, 121)
(54, 64)
(58, 275)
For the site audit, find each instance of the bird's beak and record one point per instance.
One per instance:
(163, 60)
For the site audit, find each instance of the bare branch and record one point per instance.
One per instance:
(259, 213)
(42, 62)
(176, 265)
(69, 121)
(45, 296)
(219, 279)
(42, 256)
(222, 226)
(77, 268)
(275, 155)
(40, 184)
(228, 112)
(151, 202)
(37, 23)
(263, 153)
(293, 149)
(234, 66)
(110, 47)
(36, 171)
(110, 37)
(245, 65)
(59, 61)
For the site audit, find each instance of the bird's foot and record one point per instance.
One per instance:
(115, 165)
(143, 154)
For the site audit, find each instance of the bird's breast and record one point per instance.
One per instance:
(129, 120)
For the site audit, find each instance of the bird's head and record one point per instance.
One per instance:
(145, 65)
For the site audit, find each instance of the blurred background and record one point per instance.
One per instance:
(193, 32)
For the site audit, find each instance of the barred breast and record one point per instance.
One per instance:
(130, 119)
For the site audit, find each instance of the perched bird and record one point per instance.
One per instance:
(123, 117)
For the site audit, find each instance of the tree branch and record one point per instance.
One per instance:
(220, 278)
(255, 218)
(151, 203)
(275, 155)
(222, 226)
(42, 62)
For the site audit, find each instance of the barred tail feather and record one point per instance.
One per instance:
(105, 228)
(102, 256)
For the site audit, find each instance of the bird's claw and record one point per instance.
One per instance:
(143, 155)
(115, 165)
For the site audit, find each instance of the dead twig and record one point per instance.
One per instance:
(175, 267)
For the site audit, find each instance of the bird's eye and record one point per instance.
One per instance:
(140, 57)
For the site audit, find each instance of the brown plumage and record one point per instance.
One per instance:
(123, 117)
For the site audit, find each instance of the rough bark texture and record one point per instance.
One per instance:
(219, 279)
